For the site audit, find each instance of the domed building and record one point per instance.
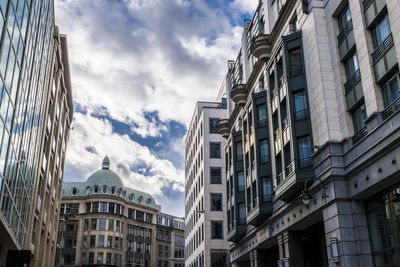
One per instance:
(105, 223)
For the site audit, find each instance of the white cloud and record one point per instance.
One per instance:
(128, 159)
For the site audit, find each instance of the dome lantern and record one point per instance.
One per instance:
(106, 163)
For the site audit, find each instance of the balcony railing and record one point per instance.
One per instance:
(285, 123)
(392, 108)
(277, 133)
(301, 114)
(290, 168)
(306, 162)
(345, 31)
(358, 136)
(382, 48)
(349, 85)
(252, 204)
(279, 178)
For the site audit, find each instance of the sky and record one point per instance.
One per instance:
(137, 69)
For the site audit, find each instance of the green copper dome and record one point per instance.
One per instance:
(106, 182)
(105, 176)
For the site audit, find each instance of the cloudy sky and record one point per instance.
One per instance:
(138, 67)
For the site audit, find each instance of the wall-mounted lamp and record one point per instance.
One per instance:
(334, 249)
(306, 196)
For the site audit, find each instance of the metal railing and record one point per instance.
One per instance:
(392, 108)
(279, 178)
(301, 114)
(296, 71)
(277, 134)
(349, 85)
(358, 136)
(345, 31)
(285, 123)
(306, 162)
(382, 48)
(290, 168)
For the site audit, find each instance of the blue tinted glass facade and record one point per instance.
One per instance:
(27, 28)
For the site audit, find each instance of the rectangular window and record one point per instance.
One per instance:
(262, 115)
(240, 181)
(101, 241)
(110, 224)
(216, 202)
(242, 213)
(102, 224)
(217, 230)
(103, 206)
(160, 250)
(351, 66)
(99, 257)
(359, 115)
(215, 175)
(109, 241)
(166, 250)
(117, 226)
(95, 207)
(344, 18)
(116, 242)
(215, 150)
(305, 152)
(239, 151)
(92, 241)
(381, 32)
(390, 90)
(213, 125)
(108, 259)
(111, 207)
(295, 63)
(300, 105)
(86, 225)
(139, 215)
(267, 189)
(264, 151)
(91, 257)
(94, 224)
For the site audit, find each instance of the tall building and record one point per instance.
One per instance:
(36, 112)
(205, 236)
(170, 241)
(312, 139)
(105, 223)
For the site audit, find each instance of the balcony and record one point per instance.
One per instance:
(223, 127)
(259, 211)
(384, 58)
(297, 172)
(237, 232)
(391, 109)
(372, 8)
(259, 46)
(238, 94)
(353, 90)
(358, 136)
(346, 40)
(283, 88)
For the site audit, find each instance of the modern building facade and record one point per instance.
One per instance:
(105, 223)
(312, 139)
(205, 236)
(170, 241)
(36, 113)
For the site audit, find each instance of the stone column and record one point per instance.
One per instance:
(347, 222)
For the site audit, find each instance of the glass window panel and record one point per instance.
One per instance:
(101, 241)
(102, 224)
(216, 202)
(264, 151)
(240, 181)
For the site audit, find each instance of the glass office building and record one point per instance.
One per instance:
(31, 68)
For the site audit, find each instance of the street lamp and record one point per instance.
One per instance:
(306, 195)
(63, 219)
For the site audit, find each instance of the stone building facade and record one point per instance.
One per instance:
(36, 113)
(205, 236)
(105, 223)
(313, 145)
(170, 241)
